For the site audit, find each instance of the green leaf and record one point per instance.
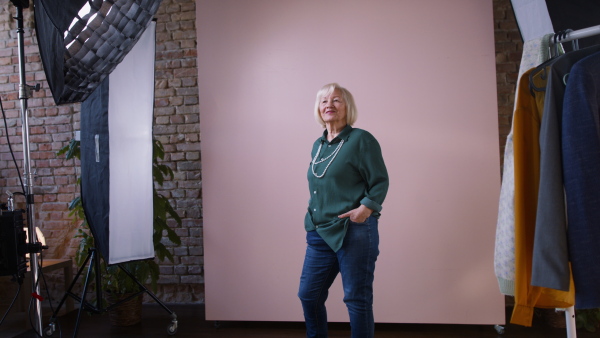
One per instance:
(158, 176)
(72, 150)
(173, 214)
(62, 150)
(166, 170)
(161, 251)
(173, 237)
(158, 150)
(160, 207)
(160, 224)
(75, 203)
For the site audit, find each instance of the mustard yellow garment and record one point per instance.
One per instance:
(527, 120)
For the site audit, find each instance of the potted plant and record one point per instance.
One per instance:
(589, 319)
(116, 283)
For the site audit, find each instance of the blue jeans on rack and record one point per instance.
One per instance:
(355, 261)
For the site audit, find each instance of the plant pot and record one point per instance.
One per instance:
(127, 313)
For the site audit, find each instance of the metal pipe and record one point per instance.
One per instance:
(578, 34)
(23, 96)
(571, 325)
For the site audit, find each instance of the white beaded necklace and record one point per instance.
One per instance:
(332, 155)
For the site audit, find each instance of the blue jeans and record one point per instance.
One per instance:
(355, 261)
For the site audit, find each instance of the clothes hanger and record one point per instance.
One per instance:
(574, 45)
(554, 54)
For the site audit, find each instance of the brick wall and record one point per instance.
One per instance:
(176, 126)
(52, 127)
(509, 48)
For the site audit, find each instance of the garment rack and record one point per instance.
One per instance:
(571, 36)
(578, 34)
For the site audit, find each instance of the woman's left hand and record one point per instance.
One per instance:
(358, 215)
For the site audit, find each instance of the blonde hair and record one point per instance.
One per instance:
(351, 112)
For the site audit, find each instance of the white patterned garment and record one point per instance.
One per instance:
(534, 53)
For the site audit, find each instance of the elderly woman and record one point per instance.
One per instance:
(348, 182)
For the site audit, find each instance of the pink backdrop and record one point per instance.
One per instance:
(423, 76)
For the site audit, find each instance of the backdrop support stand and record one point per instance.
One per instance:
(94, 260)
(24, 92)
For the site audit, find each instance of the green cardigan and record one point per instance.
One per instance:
(357, 175)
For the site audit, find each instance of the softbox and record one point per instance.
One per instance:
(82, 41)
(116, 157)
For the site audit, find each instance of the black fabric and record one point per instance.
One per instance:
(12, 243)
(79, 52)
(95, 174)
(52, 49)
(575, 14)
(61, 13)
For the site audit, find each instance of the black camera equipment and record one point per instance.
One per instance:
(78, 52)
(13, 246)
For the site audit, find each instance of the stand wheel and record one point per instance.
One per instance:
(49, 330)
(172, 328)
(499, 329)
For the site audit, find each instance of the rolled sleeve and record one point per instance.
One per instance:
(371, 204)
(374, 172)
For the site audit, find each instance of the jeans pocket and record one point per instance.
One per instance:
(366, 222)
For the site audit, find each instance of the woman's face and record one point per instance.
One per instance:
(333, 108)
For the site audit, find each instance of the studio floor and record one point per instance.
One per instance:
(191, 323)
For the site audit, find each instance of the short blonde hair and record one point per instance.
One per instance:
(351, 112)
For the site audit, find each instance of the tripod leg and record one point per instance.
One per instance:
(85, 288)
(172, 328)
(99, 304)
(145, 289)
(51, 326)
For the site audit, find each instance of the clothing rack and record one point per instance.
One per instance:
(578, 34)
(562, 37)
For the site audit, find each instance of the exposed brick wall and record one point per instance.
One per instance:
(509, 48)
(176, 125)
(52, 127)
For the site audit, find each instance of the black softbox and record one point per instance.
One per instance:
(100, 53)
(116, 157)
(82, 41)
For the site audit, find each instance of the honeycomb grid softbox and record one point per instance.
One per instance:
(82, 41)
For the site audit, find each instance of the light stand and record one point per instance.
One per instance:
(94, 272)
(24, 92)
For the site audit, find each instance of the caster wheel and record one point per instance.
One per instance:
(172, 329)
(49, 331)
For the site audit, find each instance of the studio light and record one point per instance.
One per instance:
(82, 41)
